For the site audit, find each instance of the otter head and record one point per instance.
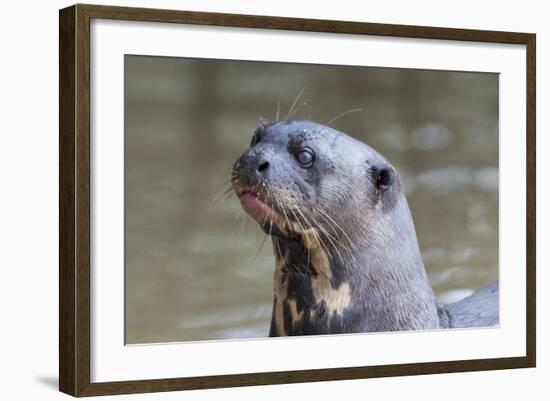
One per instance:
(301, 177)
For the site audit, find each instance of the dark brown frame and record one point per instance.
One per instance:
(74, 199)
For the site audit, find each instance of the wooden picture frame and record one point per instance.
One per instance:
(74, 203)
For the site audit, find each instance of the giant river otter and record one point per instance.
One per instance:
(346, 253)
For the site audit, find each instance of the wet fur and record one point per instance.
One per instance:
(364, 278)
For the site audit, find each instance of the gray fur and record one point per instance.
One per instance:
(477, 310)
(376, 256)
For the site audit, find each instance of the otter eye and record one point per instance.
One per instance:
(305, 157)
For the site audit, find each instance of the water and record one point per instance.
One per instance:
(190, 267)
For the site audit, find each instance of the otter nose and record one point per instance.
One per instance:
(254, 163)
(263, 166)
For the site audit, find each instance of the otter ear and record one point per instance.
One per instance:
(383, 175)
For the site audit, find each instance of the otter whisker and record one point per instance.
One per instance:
(227, 173)
(239, 214)
(227, 187)
(334, 245)
(264, 220)
(329, 238)
(316, 235)
(284, 213)
(295, 102)
(278, 112)
(332, 224)
(327, 216)
(345, 233)
(259, 249)
(265, 217)
(345, 113)
(243, 226)
(280, 254)
(303, 104)
(297, 220)
(228, 177)
(270, 195)
(226, 193)
(334, 242)
(338, 246)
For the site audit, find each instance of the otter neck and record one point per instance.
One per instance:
(378, 283)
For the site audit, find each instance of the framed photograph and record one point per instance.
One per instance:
(250, 200)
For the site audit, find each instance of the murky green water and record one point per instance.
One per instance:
(190, 268)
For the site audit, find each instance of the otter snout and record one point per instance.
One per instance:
(253, 164)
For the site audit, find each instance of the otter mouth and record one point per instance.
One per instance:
(272, 219)
(255, 204)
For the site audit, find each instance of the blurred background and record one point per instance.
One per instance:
(191, 270)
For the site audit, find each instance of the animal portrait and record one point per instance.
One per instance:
(270, 199)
